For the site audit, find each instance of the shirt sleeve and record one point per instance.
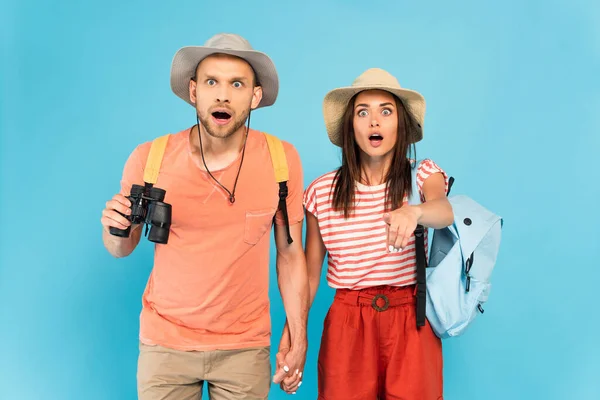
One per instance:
(310, 200)
(295, 187)
(426, 169)
(133, 171)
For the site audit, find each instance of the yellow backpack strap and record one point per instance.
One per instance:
(280, 167)
(278, 158)
(157, 150)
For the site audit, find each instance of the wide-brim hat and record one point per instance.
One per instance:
(185, 61)
(336, 102)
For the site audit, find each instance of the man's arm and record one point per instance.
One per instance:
(293, 285)
(292, 278)
(293, 282)
(119, 205)
(118, 246)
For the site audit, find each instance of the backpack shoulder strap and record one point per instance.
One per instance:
(421, 258)
(154, 160)
(280, 167)
(278, 158)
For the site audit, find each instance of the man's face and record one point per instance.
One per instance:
(224, 94)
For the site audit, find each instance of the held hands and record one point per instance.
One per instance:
(290, 363)
(401, 224)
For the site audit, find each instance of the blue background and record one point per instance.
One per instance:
(513, 94)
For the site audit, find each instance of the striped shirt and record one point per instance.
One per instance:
(357, 255)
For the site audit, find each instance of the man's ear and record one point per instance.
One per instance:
(256, 97)
(192, 89)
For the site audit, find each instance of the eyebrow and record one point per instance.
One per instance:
(381, 105)
(235, 79)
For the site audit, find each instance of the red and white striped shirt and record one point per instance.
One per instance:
(356, 247)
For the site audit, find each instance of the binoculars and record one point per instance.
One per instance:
(147, 207)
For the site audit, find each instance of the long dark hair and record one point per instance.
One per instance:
(398, 176)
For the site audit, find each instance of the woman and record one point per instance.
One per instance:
(371, 346)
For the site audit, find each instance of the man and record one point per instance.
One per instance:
(205, 314)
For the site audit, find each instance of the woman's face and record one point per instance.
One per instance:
(375, 121)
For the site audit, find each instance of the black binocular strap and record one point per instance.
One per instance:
(421, 274)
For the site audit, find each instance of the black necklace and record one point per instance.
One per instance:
(231, 194)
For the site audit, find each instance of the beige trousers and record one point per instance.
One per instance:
(166, 374)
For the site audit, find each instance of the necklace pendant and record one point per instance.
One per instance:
(232, 199)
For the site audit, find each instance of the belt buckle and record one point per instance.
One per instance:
(384, 307)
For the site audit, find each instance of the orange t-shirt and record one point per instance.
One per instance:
(208, 288)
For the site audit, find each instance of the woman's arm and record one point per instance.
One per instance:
(436, 212)
(315, 254)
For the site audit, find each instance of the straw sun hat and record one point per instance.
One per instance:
(336, 102)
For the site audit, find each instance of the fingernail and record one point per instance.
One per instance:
(391, 248)
(300, 384)
(293, 392)
(286, 369)
(300, 374)
(297, 371)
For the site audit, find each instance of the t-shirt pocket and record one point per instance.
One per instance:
(258, 222)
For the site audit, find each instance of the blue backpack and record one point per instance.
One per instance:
(455, 284)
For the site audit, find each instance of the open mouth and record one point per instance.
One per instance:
(221, 117)
(376, 137)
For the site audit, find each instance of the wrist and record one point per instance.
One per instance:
(418, 212)
(300, 345)
(299, 339)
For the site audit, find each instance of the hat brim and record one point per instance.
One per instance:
(336, 102)
(185, 61)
